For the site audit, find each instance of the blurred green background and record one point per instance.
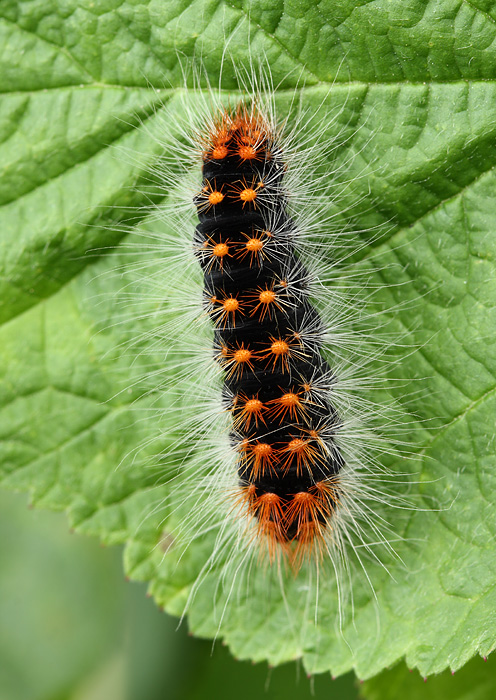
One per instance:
(72, 628)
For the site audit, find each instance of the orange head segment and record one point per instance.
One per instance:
(242, 131)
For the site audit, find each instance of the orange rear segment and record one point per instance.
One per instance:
(298, 521)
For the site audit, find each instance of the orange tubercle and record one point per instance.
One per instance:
(248, 495)
(242, 355)
(279, 347)
(225, 309)
(253, 406)
(237, 359)
(219, 152)
(246, 152)
(215, 197)
(248, 195)
(278, 350)
(248, 409)
(231, 304)
(306, 454)
(266, 300)
(209, 196)
(254, 245)
(289, 403)
(289, 399)
(245, 191)
(267, 296)
(260, 458)
(296, 446)
(220, 250)
(268, 509)
(282, 350)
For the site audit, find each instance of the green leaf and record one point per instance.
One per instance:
(414, 86)
(475, 681)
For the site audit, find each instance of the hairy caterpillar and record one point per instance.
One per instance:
(270, 462)
(267, 337)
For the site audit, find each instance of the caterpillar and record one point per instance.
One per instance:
(267, 337)
(272, 483)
